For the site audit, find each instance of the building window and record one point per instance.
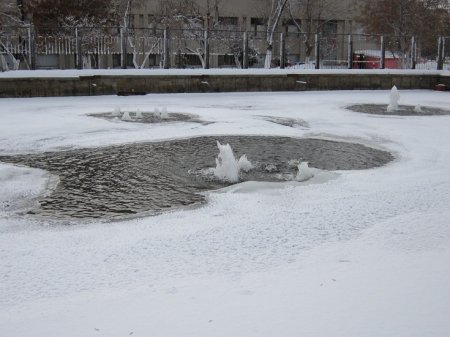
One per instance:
(131, 21)
(130, 63)
(116, 60)
(192, 60)
(228, 21)
(154, 60)
(292, 25)
(226, 60)
(258, 25)
(244, 22)
(194, 22)
(329, 28)
(153, 21)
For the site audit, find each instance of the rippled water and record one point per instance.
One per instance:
(153, 177)
(403, 110)
(148, 117)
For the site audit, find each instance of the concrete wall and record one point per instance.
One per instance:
(143, 84)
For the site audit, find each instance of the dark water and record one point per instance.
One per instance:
(286, 121)
(149, 117)
(151, 177)
(403, 110)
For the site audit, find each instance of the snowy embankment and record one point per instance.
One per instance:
(364, 254)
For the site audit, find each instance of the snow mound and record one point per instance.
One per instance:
(20, 186)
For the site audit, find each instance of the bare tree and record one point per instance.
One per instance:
(50, 15)
(9, 12)
(188, 21)
(425, 19)
(10, 18)
(124, 17)
(95, 21)
(274, 15)
(311, 17)
(60, 22)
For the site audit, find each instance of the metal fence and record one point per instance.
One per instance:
(445, 58)
(115, 47)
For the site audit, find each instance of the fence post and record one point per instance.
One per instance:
(317, 49)
(31, 48)
(206, 51)
(382, 53)
(350, 52)
(123, 48)
(245, 51)
(166, 55)
(78, 49)
(440, 60)
(413, 52)
(282, 51)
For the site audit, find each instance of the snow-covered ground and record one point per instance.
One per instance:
(366, 253)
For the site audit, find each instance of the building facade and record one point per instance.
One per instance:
(300, 22)
(200, 33)
(252, 15)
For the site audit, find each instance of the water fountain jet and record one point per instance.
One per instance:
(304, 172)
(418, 108)
(394, 97)
(227, 167)
(116, 112)
(126, 116)
(163, 113)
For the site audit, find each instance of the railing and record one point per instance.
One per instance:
(113, 47)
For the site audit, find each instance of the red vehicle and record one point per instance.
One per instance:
(371, 59)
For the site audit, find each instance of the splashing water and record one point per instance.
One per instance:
(163, 113)
(116, 112)
(126, 116)
(394, 97)
(244, 164)
(139, 114)
(418, 108)
(227, 167)
(304, 172)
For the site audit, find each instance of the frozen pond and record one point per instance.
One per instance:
(156, 176)
(340, 256)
